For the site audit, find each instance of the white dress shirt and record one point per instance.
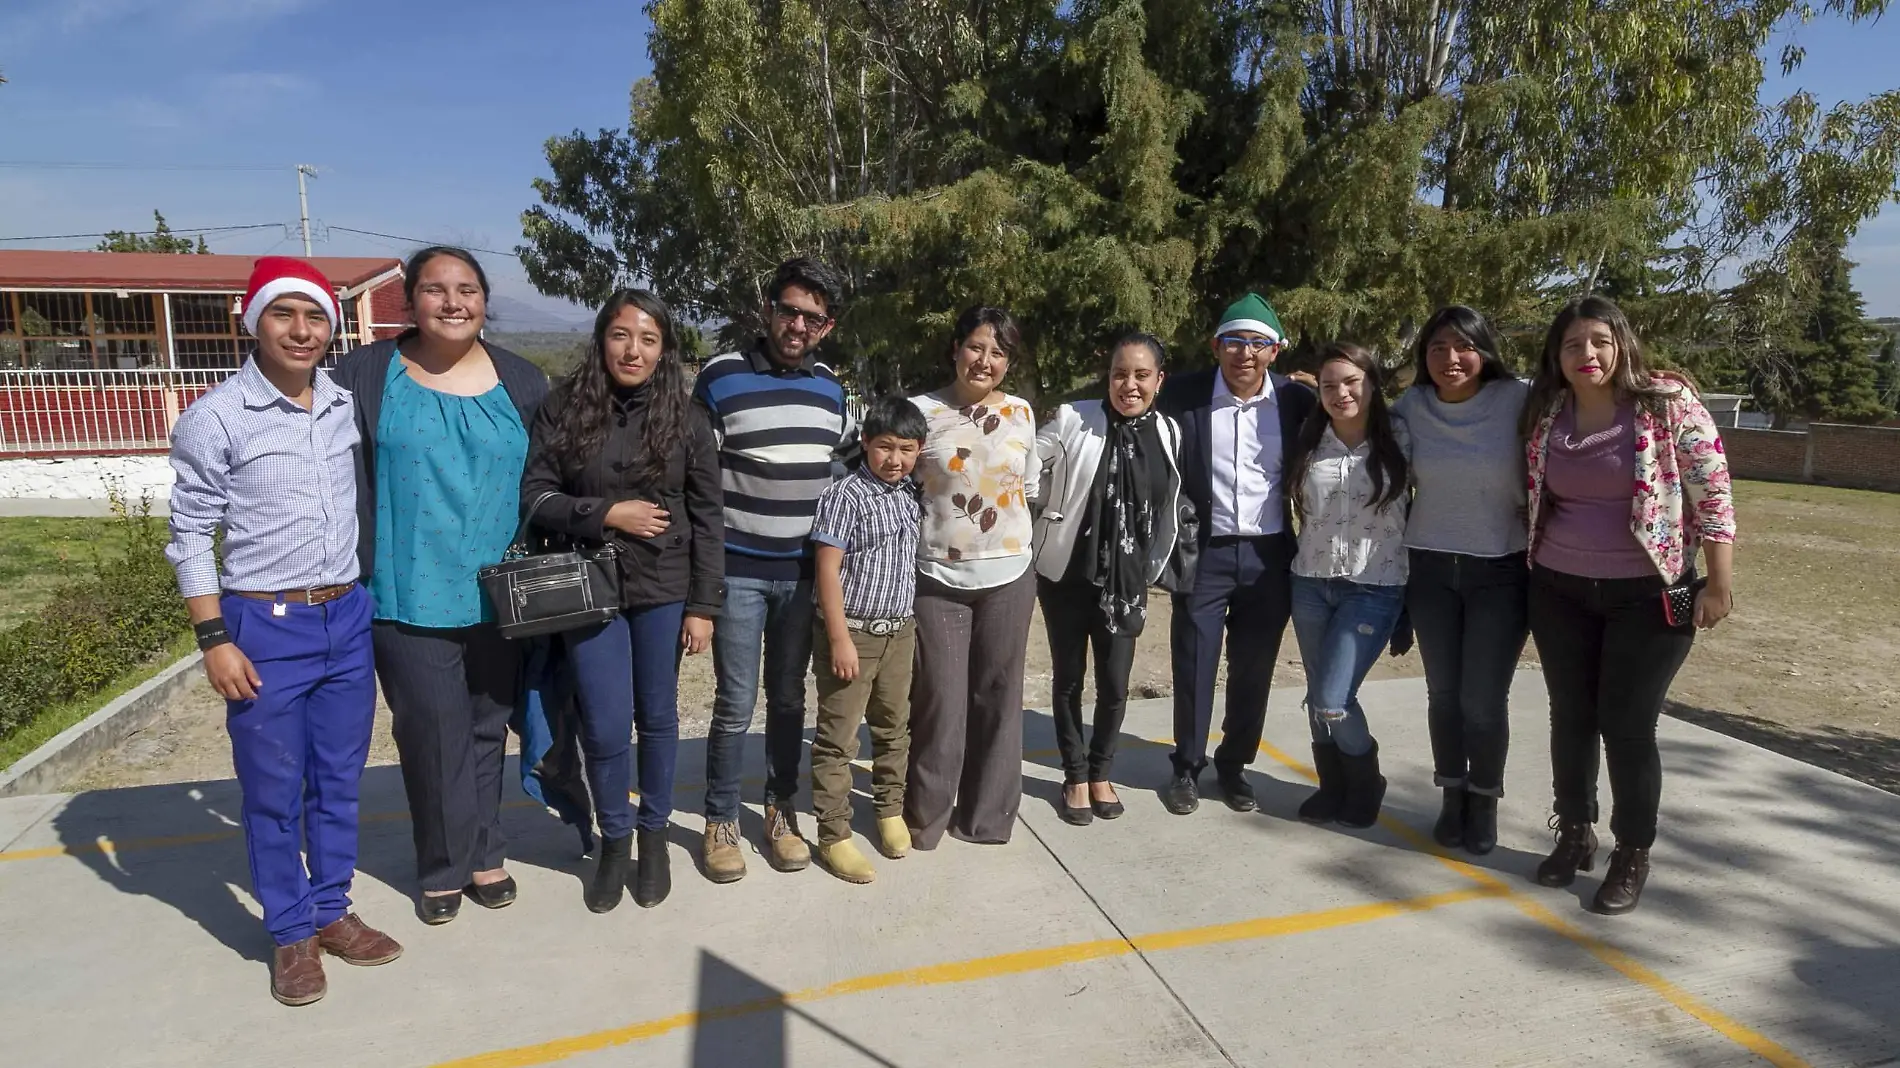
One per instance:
(1248, 495)
(1342, 534)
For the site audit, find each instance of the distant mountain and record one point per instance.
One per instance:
(508, 315)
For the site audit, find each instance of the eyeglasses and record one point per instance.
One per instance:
(1252, 346)
(789, 314)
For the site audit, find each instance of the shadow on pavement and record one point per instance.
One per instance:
(1872, 758)
(743, 1020)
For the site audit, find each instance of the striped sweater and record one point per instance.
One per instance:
(784, 435)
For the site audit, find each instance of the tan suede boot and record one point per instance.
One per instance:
(724, 861)
(893, 838)
(784, 849)
(843, 860)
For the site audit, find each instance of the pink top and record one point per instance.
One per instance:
(1587, 480)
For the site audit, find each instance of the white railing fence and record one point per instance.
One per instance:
(92, 411)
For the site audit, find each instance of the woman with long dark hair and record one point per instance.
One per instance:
(1614, 597)
(620, 456)
(1466, 590)
(1110, 520)
(975, 592)
(443, 416)
(1350, 481)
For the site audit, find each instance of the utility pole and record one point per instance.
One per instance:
(303, 203)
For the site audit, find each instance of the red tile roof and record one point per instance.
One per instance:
(49, 269)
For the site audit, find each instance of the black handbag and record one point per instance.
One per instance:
(545, 593)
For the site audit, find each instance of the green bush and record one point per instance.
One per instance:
(97, 627)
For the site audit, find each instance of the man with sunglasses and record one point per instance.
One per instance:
(783, 429)
(1238, 424)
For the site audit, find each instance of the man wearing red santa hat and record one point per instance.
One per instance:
(266, 457)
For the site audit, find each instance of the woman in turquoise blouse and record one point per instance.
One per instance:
(444, 422)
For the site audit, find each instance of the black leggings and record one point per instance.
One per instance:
(1609, 657)
(1073, 613)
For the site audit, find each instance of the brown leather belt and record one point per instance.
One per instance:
(313, 595)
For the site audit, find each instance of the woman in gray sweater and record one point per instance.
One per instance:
(1468, 586)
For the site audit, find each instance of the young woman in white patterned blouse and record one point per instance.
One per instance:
(1351, 494)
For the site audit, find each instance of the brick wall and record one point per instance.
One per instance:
(1860, 457)
(388, 310)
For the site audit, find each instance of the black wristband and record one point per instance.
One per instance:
(211, 633)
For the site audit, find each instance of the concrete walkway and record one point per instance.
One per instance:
(1770, 934)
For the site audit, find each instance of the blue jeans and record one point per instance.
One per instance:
(626, 674)
(773, 618)
(1342, 627)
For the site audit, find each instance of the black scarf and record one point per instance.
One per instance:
(1117, 536)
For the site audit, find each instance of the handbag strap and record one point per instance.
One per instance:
(518, 546)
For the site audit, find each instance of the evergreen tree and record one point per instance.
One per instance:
(161, 239)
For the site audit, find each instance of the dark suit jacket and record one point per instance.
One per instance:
(1189, 398)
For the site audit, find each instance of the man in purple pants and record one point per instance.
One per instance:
(266, 458)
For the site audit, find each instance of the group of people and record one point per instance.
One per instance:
(900, 562)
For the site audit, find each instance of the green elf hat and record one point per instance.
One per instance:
(1252, 312)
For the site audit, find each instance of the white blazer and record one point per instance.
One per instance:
(1069, 448)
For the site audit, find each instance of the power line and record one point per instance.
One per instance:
(79, 165)
(178, 232)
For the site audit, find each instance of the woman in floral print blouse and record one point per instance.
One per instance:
(1627, 480)
(975, 592)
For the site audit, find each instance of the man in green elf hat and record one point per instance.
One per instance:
(1238, 424)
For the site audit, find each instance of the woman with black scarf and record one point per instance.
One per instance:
(1108, 528)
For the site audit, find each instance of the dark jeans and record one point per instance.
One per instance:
(1072, 612)
(773, 619)
(1241, 587)
(1609, 658)
(451, 692)
(626, 676)
(1470, 616)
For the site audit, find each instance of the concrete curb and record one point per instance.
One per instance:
(45, 769)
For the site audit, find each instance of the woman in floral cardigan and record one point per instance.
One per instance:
(1627, 480)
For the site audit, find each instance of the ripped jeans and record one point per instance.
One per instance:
(1342, 627)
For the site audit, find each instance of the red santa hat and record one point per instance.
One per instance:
(280, 276)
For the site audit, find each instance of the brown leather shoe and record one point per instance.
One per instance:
(1623, 884)
(296, 973)
(785, 848)
(357, 942)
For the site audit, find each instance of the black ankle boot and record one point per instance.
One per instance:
(1365, 789)
(610, 879)
(1623, 884)
(1481, 824)
(1323, 806)
(1449, 831)
(1576, 851)
(653, 874)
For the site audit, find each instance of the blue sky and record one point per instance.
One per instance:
(426, 121)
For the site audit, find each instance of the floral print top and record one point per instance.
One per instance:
(1681, 497)
(1342, 533)
(977, 470)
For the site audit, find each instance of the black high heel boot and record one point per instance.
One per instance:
(653, 873)
(1576, 851)
(1623, 884)
(1481, 824)
(1449, 831)
(610, 879)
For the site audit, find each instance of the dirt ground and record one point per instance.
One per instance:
(1805, 666)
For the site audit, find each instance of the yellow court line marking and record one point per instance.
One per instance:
(107, 845)
(1741, 1034)
(972, 970)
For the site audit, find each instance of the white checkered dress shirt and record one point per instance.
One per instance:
(875, 523)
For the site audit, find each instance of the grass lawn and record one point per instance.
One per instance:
(38, 555)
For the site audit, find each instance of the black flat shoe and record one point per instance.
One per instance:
(438, 909)
(1107, 810)
(1076, 817)
(498, 895)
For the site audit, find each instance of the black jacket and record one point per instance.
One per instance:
(363, 372)
(1189, 398)
(688, 561)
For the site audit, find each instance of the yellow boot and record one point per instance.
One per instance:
(893, 837)
(843, 860)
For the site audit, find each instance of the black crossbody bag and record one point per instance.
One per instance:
(545, 593)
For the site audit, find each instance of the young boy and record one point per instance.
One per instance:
(866, 538)
(268, 457)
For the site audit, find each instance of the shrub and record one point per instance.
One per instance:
(97, 627)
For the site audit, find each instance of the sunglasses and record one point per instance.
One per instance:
(789, 314)
(1253, 346)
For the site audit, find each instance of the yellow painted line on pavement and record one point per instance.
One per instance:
(1735, 1031)
(973, 970)
(105, 844)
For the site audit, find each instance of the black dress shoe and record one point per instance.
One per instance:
(438, 909)
(498, 895)
(1237, 792)
(1076, 817)
(1181, 796)
(1107, 810)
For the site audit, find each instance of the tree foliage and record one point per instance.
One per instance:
(161, 239)
(1092, 164)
